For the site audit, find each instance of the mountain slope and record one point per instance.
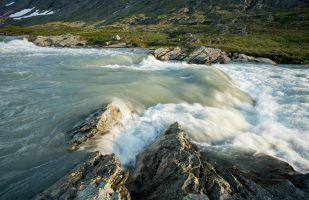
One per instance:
(148, 11)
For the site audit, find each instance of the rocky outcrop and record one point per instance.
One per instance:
(238, 57)
(98, 177)
(98, 123)
(200, 55)
(67, 40)
(172, 168)
(205, 55)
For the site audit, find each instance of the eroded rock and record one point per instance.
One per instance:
(98, 177)
(98, 123)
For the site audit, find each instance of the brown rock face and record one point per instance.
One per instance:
(98, 177)
(98, 123)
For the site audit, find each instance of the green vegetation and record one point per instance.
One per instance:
(282, 36)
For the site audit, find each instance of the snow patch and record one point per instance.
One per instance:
(36, 13)
(21, 13)
(9, 4)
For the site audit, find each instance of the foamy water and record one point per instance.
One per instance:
(44, 92)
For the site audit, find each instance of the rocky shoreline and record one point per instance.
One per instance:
(199, 55)
(170, 168)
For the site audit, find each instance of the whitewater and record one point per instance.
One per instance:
(45, 92)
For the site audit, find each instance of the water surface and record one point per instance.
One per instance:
(44, 92)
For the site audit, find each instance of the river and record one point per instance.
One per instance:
(44, 92)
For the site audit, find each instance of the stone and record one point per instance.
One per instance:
(98, 177)
(98, 123)
(116, 38)
(118, 45)
(239, 57)
(207, 55)
(67, 40)
(173, 168)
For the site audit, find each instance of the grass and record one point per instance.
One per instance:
(280, 44)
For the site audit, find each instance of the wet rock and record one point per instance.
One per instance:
(67, 40)
(98, 177)
(172, 168)
(98, 123)
(238, 57)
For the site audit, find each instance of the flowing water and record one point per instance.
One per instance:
(44, 92)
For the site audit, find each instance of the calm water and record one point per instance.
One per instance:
(44, 92)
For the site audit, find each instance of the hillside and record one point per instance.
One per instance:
(139, 11)
(277, 29)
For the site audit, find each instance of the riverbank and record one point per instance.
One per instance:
(282, 46)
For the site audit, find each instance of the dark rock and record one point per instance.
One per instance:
(98, 177)
(172, 168)
(98, 123)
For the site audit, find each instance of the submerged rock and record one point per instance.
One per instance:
(67, 40)
(98, 177)
(238, 57)
(172, 168)
(200, 55)
(98, 123)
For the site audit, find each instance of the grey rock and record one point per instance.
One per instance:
(238, 57)
(118, 45)
(200, 55)
(98, 123)
(206, 55)
(116, 38)
(67, 40)
(98, 177)
(172, 168)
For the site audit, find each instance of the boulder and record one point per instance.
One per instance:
(200, 55)
(173, 168)
(159, 53)
(207, 55)
(67, 40)
(98, 123)
(239, 57)
(98, 177)
(116, 38)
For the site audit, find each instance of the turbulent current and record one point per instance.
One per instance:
(44, 92)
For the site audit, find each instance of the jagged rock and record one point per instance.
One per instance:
(67, 40)
(172, 168)
(200, 55)
(97, 123)
(98, 177)
(206, 55)
(238, 57)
